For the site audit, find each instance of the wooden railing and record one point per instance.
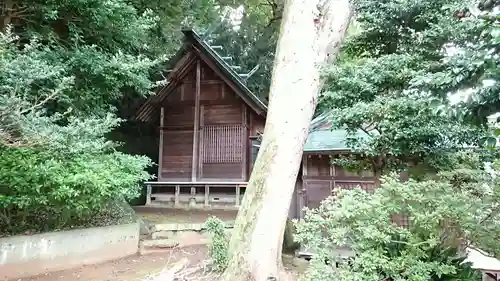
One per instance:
(149, 185)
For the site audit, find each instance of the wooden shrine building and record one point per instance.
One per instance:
(209, 123)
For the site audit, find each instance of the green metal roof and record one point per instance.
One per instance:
(322, 138)
(328, 140)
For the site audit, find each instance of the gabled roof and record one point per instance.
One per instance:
(225, 67)
(181, 60)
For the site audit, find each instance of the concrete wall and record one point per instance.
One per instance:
(23, 256)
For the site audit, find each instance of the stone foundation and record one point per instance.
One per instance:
(176, 235)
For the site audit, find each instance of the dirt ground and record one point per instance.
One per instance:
(138, 268)
(165, 215)
(134, 268)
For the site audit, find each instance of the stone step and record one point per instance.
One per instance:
(159, 243)
(184, 226)
(162, 235)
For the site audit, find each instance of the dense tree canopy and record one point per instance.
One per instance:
(109, 47)
(397, 69)
(252, 44)
(397, 89)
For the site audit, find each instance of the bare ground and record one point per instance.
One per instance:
(138, 268)
(133, 268)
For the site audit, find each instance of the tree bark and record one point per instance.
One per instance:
(311, 34)
(6, 14)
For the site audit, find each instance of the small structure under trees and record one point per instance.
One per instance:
(210, 125)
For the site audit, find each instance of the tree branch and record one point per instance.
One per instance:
(276, 11)
(365, 130)
(41, 103)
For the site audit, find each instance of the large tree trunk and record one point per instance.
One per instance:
(311, 33)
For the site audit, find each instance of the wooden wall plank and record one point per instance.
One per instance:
(222, 114)
(177, 154)
(222, 171)
(215, 119)
(318, 165)
(227, 81)
(179, 116)
(257, 124)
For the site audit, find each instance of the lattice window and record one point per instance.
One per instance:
(223, 143)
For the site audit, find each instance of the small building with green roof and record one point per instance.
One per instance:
(318, 176)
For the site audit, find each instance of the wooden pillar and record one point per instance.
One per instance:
(207, 196)
(148, 194)
(245, 145)
(201, 144)
(302, 194)
(332, 174)
(331, 171)
(196, 129)
(304, 166)
(302, 197)
(192, 200)
(237, 195)
(177, 193)
(160, 145)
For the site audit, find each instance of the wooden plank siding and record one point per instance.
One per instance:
(177, 158)
(205, 130)
(320, 178)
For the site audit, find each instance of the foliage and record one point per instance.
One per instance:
(113, 212)
(289, 244)
(99, 44)
(218, 246)
(395, 70)
(57, 170)
(444, 217)
(253, 42)
(472, 70)
(70, 173)
(174, 14)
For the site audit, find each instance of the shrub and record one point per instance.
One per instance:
(218, 247)
(443, 221)
(68, 177)
(289, 244)
(57, 169)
